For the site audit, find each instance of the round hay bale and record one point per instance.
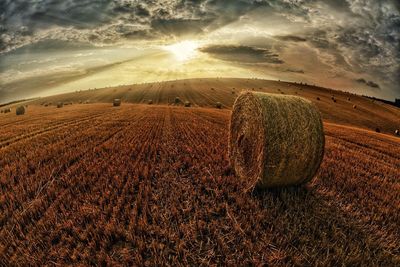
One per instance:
(218, 105)
(377, 130)
(177, 100)
(275, 140)
(318, 98)
(117, 102)
(20, 110)
(354, 106)
(397, 132)
(187, 104)
(60, 104)
(150, 102)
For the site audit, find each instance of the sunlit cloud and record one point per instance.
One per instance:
(330, 43)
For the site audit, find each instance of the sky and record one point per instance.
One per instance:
(49, 46)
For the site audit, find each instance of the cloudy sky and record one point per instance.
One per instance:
(51, 46)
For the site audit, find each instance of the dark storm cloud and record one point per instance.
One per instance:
(295, 71)
(291, 38)
(242, 54)
(179, 26)
(368, 83)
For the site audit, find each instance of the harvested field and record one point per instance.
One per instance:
(151, 184)
(368, 114)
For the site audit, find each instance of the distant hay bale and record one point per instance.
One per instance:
(60, 104)
(218, 105)
(233, 92)
(275, 140)
(177, 100)
(20, 110)
(377, 130)
(2, 111)
(187, 104)
(117, 102)
(348, 99)
(397, 132)
(7, 110)
(318, 98)
(150, 102)
(354, 106)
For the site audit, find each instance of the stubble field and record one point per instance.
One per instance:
(152, 185)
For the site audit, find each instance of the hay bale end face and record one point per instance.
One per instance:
(60, 104)
(275, 140)
(397, 132)
(117, 102)
(187, 104)
(20, 110)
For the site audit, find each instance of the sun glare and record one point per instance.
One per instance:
(183, 51)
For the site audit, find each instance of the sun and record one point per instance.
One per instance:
(184, 50)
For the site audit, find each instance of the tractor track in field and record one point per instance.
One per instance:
(72, 122)
(58, 174)
(152, 184)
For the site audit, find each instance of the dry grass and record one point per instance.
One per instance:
(151, 185)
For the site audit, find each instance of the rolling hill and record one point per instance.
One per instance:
(368, 113)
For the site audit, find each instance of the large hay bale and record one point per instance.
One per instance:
(20, 110)
(117, 102)
(187, 104)
(60, 104)
(275, 140)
